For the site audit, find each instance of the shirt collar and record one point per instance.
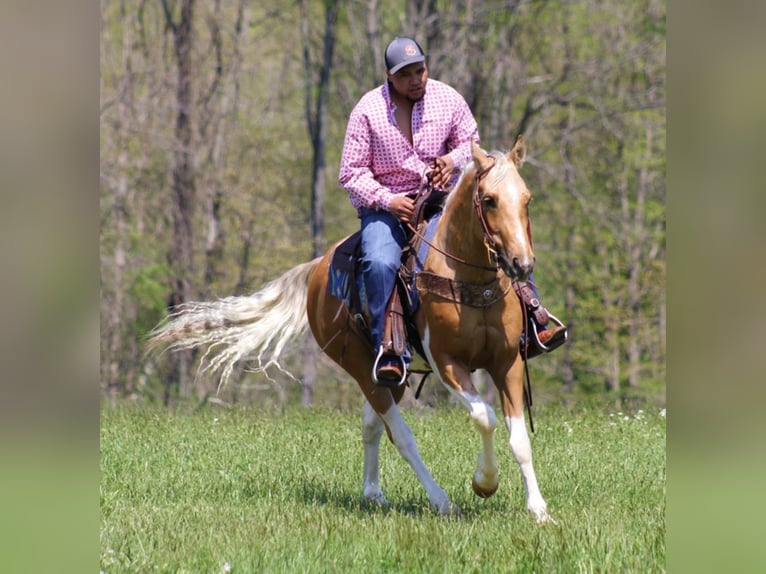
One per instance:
(392, 105)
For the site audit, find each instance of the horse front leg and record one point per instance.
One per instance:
(512, 400)
(485, 478)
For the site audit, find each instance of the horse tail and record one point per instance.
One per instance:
(256, 326)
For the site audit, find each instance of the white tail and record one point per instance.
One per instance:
(256, 326)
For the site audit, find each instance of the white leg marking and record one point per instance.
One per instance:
(482, 415)
(485, 479)
(372, 430)
(405, 444)
(522, 452)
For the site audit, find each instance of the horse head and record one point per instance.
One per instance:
(501, 200)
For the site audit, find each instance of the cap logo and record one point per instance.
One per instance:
(410, 50)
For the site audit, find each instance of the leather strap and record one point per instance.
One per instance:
(462, 292)
(394, 332)
(532, 303)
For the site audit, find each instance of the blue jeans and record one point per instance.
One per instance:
(383, 238)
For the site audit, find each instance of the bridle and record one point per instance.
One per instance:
(488, 239)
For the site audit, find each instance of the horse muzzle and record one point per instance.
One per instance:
(514, 267)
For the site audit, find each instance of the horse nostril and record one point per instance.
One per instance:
(521, 269)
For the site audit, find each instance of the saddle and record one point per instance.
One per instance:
(399, 327)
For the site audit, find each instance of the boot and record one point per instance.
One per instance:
(539, 337)
(543, 341)
(389, 369)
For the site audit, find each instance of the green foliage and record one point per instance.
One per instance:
(149, 290)
(584, 81)
(264, 492)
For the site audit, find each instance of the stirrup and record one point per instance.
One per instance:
(533, 346)
(375, 370)
(537, 337)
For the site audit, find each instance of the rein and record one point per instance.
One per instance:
(525, 333)
(449, 255)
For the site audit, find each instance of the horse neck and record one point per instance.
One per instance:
(460, 235)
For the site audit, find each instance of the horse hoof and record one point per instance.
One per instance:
(481, 491)
(542, 517)
(377, 499)
(452, 511)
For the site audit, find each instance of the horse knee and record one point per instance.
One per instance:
(483, 416)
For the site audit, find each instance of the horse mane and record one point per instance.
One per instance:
(498, 172)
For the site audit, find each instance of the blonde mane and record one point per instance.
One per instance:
(498, 172)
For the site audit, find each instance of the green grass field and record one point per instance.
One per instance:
(238, 490)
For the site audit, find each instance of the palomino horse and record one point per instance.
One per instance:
(482, 242)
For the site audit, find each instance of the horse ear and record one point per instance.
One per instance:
(519, 152)
(482, 160)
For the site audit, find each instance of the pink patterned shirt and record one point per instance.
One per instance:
(378, 160)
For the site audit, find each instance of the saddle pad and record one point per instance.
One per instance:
(342, 269)
(347, 252)
(338, 284)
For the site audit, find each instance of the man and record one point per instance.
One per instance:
(407, 127)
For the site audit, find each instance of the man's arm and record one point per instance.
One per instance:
(355, 174)
(464, 129)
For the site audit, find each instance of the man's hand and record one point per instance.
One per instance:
(402, 207)
(441, 171)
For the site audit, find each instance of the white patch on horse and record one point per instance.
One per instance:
(522, 452)
(372, 430)
(405, 443)
(483, 417)
(427, 350)
(514, 195)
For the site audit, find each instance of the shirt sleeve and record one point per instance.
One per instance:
(355, 174)
(464, 129)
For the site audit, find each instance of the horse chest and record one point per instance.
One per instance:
(466, 330)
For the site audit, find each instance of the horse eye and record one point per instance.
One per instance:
(489, 202)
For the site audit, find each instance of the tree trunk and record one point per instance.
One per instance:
(317, 128)
(181, 258)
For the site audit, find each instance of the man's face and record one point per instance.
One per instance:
(410, 81)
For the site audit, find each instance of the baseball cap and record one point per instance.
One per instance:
(403, 52)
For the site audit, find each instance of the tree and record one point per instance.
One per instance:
(221, 131)
(181, 256)
(317, 91)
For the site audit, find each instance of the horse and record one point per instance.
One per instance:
(481, 246)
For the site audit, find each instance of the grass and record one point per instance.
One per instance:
(246, 491)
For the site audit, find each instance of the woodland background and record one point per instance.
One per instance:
(222, 124)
